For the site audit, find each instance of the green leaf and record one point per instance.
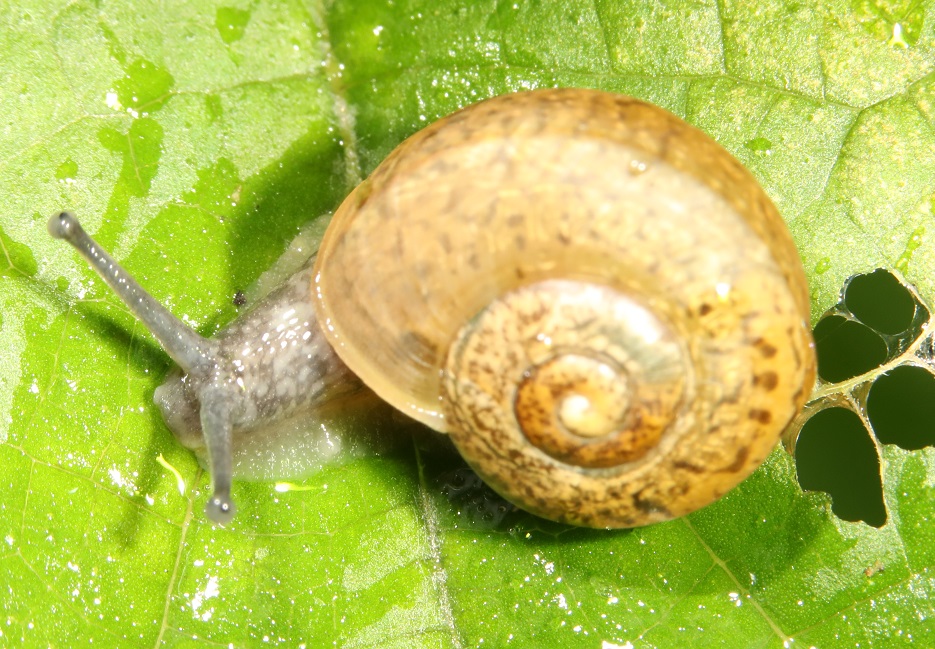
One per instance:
(195, 139)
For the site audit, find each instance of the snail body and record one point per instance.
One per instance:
(595, 300)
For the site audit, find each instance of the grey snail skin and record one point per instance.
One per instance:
(596, 301)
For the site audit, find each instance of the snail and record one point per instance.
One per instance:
(597, 302)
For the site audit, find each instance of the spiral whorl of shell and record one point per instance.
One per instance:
(597, 302)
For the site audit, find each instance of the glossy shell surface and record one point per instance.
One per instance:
(598, 303)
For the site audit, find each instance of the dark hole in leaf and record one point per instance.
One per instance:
(846, 348)
(900, 407)
(836, 454)
(880, 301)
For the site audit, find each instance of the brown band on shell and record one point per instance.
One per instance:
(576, 381)
(580, 408)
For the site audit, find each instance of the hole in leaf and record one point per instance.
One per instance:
(900, 407)
(835, 454)
(846, 348)
(880, 301)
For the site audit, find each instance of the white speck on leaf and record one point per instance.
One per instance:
(210, 590)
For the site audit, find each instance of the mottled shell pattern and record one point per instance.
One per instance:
(598, 303)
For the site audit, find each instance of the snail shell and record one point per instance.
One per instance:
(595, 300)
